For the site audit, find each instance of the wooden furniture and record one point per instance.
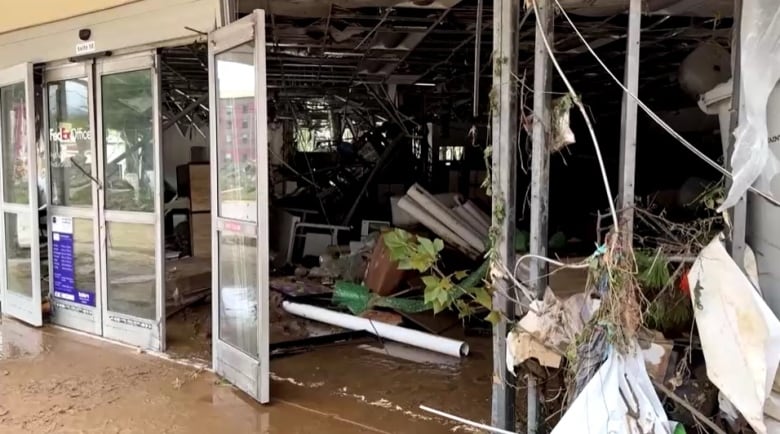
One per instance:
(194, 182)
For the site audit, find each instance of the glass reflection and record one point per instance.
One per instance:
(70, 143)
(131, 269)
(238, 289)
(18, 262)
(237, 133)
(128, 140)
(16, 164)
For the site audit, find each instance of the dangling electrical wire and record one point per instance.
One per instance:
(579, 105)
(655, 117)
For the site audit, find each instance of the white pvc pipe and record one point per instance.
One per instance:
(449, 199)
(477, 213)
(418, 212)
(470, 423)
(415, 338)
(446, 216)
(473, 223)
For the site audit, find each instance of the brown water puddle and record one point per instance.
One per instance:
(58, 382)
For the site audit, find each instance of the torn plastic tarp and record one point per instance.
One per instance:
(619, 399)
(752, 161)
(740, 336)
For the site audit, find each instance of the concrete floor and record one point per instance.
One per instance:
(53, 381)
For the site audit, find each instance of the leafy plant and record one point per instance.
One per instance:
(652, 268)
(461, 291)
(667, 309)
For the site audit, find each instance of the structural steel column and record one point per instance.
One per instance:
(477, 61)
(504, 112)
(628, 124)
(737, 242)
(540, 173)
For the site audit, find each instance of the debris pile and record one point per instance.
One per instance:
(670, 335)
(378, 283)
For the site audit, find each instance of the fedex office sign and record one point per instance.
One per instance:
(69, 135)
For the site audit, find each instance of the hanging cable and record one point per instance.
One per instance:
(655, 117)
(578, 103)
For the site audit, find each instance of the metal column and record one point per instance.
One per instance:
(737, 242)
(477, 61)
(628, 125)
(540, 173)
(504, 112)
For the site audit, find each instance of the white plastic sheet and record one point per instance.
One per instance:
(619, 399)
(752, 162)
(740, 336)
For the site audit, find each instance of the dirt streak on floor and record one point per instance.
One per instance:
(57, 382)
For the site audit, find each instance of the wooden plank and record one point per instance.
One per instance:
(200, 228)
(200, 188)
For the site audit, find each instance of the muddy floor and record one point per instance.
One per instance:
(371, 375)
(53, 381)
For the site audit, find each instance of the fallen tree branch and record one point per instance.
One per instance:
(696, 413)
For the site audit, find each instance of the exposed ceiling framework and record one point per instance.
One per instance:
(349, 54)
(185, 90)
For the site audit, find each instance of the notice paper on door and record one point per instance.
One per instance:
(63, 263)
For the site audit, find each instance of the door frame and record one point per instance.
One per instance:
(13, 304)
(141, 332)
(64, 313)
(247, 373)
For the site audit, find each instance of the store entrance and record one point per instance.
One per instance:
(105, 199)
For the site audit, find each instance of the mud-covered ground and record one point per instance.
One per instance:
(53, 381)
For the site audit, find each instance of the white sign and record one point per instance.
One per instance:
(62, 225)
(85, 47)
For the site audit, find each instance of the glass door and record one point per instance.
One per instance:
(21, 274)
(74, 265)
(130, 200)
(239, 176)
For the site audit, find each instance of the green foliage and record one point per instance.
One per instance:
(461, 291)
(358, 299)
(653, 269)
(669, 309)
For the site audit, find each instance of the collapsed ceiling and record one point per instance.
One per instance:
(319, 8)
(352, 54)
(339, 49)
